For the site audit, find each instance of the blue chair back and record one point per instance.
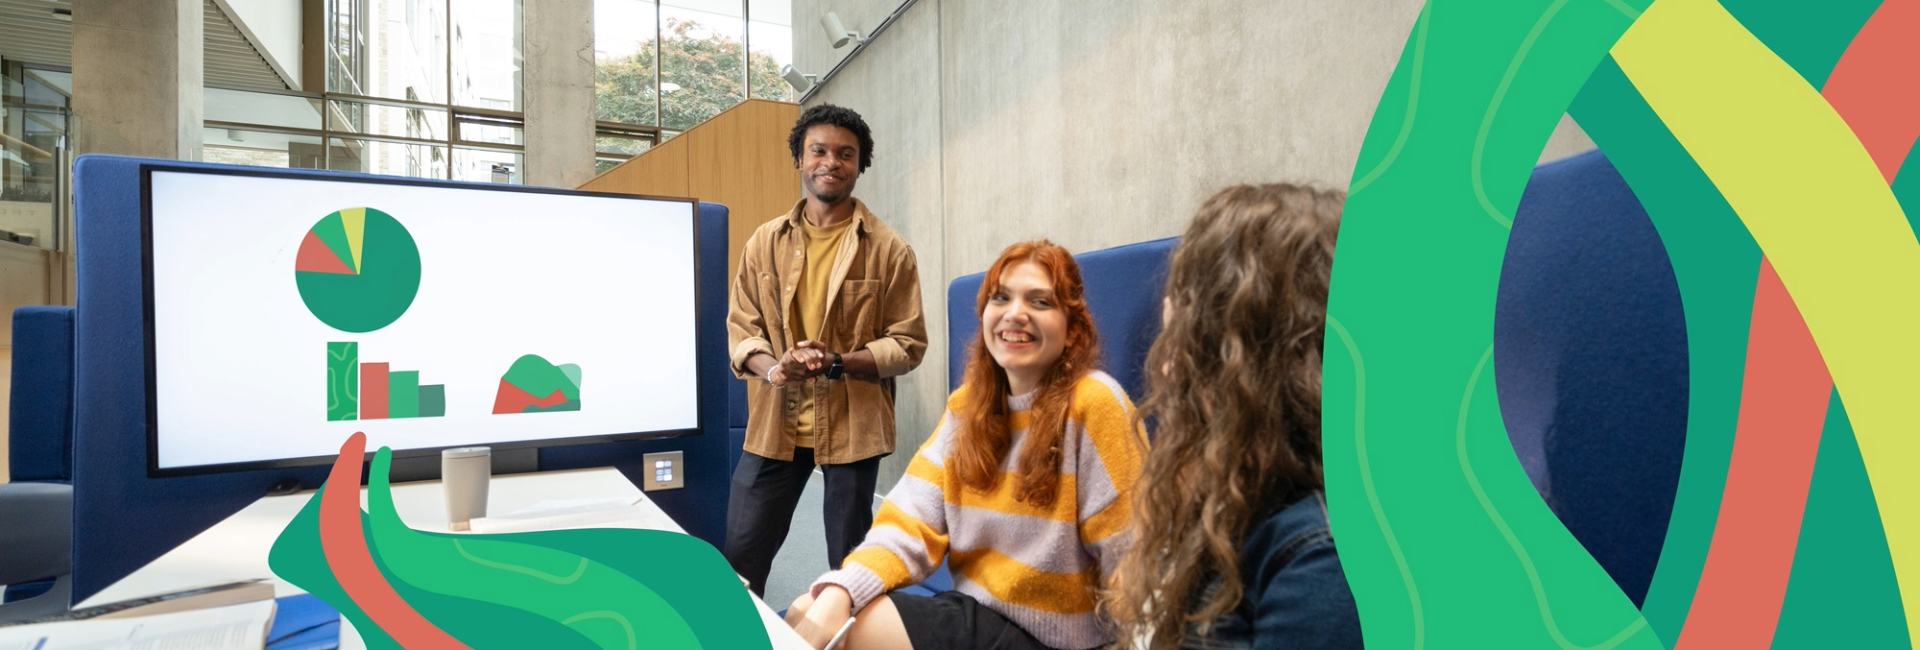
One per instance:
(1590, 361)
(40, 421)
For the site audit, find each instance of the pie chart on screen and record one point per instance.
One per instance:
(358, 270)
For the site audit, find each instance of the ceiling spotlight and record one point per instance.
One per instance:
(800, 82)
(837, 33)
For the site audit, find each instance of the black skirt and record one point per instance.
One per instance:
(955, 621)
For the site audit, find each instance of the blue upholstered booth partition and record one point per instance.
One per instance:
(736, 418)
(1590, 361)
(124, 519)
(1123, 292)
(40, 422)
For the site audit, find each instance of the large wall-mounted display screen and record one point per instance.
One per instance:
(288, 312)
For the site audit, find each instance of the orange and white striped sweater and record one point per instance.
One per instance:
(1041, 567)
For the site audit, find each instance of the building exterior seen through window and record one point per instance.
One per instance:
(433, 89)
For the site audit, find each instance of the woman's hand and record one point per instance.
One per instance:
(817, 620)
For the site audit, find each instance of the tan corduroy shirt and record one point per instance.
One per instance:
(873, 303)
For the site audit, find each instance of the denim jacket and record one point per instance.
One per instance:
(1295, 594)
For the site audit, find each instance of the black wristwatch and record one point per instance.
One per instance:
(834, 371)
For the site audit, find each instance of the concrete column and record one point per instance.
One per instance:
(138, 70)
(557, 91)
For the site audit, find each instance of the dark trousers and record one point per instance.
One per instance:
(765, 492)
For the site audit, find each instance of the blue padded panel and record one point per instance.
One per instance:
(737, 439)
(1124, 285)
(736, 417)
(1590, 361)
(40, 424)
(122, 520)
(736, 397)
(701, 506)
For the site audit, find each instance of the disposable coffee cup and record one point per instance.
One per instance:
(464, 474)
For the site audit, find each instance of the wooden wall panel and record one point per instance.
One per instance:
(661, 171)
(738, 159)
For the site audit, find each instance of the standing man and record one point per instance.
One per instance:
(825, 313)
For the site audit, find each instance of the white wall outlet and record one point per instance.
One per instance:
(664, 471)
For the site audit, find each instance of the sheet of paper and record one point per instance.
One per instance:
(234, 627)
(619, 517)
(552, 507)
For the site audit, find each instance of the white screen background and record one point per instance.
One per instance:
(240, 363)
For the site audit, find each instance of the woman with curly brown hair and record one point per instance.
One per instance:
(1024, 490)
(1231, 543)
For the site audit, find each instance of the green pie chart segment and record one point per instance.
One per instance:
(358, 270)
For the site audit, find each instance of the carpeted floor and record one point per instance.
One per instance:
(804, 556)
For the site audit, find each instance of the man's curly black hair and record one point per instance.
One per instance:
(837, 116)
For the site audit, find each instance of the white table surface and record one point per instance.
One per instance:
(236, 549)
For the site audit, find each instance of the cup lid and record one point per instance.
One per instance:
(466, 452)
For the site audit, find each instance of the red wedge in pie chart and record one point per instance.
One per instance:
(316, 257)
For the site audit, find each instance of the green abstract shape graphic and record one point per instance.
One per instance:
(433, 400)
(1809, 37)
(1842, 592)
(1906, 188)
(539, 378)
(1716, 264)
(1446, 542)
(382, 290)
(343, 381)
(403, 394)
(298, 558)
(558, 586)
(601, 589)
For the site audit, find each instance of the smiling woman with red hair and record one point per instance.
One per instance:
(1025, 488)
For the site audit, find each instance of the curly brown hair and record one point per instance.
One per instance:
(985, 437)
(1234, 389)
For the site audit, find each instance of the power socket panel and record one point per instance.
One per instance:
(664, 471)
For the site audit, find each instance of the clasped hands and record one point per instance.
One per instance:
(803, 363)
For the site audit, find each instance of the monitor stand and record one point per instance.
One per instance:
(427, 468)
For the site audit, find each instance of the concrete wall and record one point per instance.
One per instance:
(558, 36)
(152, 109)
(1093, 123)
(277, 24)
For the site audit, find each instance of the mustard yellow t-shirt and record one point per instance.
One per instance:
(823, 245)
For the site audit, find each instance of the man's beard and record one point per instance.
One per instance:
(830, 197)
